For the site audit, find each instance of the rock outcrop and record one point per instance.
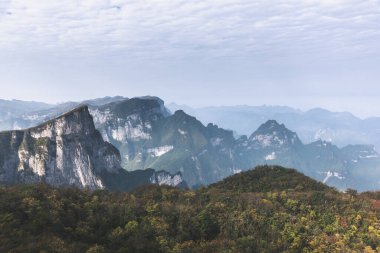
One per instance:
(65, 151)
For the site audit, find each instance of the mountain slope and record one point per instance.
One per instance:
(245, 213)
(148, 137)
(269, 178)
(341, 128)
(343, 168)
(67, 150)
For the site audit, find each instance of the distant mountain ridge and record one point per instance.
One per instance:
(341, 128)
(346, 167)
(15, 114)
(149, 136)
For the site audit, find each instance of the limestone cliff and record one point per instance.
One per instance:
(69, 150)
(65, 151)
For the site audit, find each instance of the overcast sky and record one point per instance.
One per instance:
(300, 53)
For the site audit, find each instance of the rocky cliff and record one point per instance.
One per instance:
(68, 151)
(148, 136)
(65, 151)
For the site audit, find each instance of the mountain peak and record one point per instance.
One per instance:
(271, 133)
(135, 105)
(76, 121)
(104, 100)
(270, 124)
(180, 113)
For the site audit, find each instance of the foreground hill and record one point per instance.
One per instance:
(269, 178)
(244, 213)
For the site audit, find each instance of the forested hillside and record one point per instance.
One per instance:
(270, 209)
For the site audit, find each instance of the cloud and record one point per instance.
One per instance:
(201, 52)
(163, 28)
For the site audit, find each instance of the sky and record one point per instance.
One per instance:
(304, 53)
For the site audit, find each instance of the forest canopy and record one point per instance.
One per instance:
(269, 209)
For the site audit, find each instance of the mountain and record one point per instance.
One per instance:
(18, 107)
(272, 134)
(272, 143)
(103, 100)
(268, 209)
(11, 109)
(341, 128)
(353, 166)
(149, 137)
(68, 150)
(269, 178)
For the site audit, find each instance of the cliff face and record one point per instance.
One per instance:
(150, 137)
(65, 151)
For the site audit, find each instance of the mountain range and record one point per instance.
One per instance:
(340, 128)
(178, 145)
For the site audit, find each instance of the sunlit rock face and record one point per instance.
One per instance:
(67, 150)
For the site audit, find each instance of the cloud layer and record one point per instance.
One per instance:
(181, 28)
(303, 53)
